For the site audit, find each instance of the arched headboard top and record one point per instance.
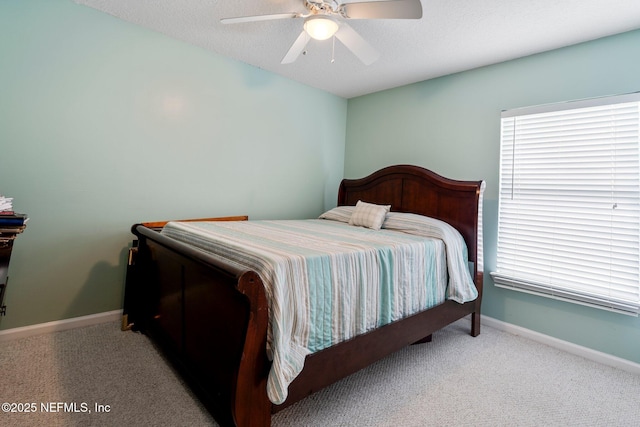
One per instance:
(413, 189)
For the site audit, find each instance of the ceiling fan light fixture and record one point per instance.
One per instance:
(320, 27)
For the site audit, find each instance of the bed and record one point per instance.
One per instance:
(210, 314)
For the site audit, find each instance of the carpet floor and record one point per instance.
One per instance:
(100, 376)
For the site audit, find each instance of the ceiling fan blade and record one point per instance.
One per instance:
(259, 18)
(356, 44)
(297, 48)
(392, 9)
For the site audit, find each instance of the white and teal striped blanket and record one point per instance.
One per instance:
(327, 281)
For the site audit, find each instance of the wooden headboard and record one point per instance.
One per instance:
(417, 190)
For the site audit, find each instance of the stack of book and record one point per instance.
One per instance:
(10, 222)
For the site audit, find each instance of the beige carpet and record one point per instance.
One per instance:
(496, 379)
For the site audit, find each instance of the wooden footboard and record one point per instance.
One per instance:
(209, 317)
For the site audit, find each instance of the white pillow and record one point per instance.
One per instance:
(341, 213)
(369, 215)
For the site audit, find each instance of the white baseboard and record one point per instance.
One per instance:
(60, 325)
(578, 350)
(116, 315)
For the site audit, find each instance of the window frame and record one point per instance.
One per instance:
(508, 277)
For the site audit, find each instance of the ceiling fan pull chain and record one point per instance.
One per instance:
(333, 49)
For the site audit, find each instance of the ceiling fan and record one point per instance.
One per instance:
(325, 19)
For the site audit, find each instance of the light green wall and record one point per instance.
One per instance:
(451, 125)
(104, 124)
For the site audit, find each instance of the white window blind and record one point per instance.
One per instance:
(569, 202)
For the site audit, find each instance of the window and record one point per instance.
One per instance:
(569, 214)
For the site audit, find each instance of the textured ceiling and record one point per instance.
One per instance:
(452, 36)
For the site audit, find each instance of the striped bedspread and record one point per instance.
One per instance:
(327, 281)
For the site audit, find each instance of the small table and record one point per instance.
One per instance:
(7, 236)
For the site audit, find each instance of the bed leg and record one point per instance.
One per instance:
(475, 323)
(426, 339)
(125, 325)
